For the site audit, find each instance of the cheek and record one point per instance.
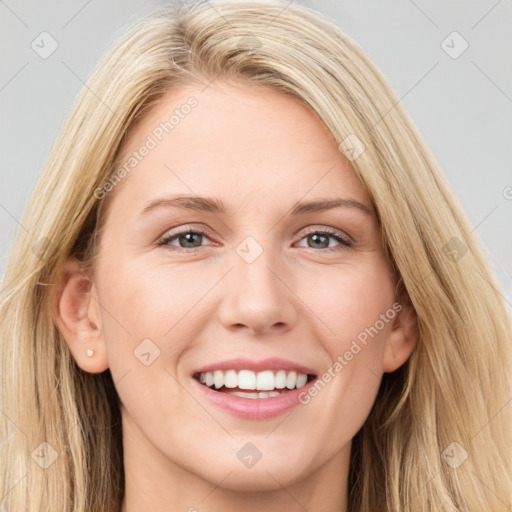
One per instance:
(357, 307)
(361, 312)
(150, 311)
(151, 298)
(351, 300)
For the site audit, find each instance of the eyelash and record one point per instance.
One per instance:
(344, 241)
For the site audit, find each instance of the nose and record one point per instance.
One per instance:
(259, 297)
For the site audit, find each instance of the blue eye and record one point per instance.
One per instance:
(319, 237)
(186, 237)
(189, 237)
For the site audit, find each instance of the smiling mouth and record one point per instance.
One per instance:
(249, 384)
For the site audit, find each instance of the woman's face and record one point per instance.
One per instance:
(257, 281)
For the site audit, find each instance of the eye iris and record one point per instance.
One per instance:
(315, 236)
(186, 237)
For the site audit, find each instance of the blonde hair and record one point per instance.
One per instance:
(451, 398)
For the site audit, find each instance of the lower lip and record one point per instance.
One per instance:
(254, 408)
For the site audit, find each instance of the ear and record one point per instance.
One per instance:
(402, 339)
(77, 316)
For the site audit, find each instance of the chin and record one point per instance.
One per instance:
(257, 480)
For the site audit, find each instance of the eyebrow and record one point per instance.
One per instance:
(212, 205)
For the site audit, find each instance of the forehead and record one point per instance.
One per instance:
(238, 141)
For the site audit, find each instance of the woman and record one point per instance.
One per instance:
(145, 370)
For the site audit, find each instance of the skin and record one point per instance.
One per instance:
(259, 152)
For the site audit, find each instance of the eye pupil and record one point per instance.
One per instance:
(187, 237)
(192, 239)
(316, 236)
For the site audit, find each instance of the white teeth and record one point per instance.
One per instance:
(242, 394)
(301, 380)
(230, 379)
(291, 380)
(218, 378)
(280, 379)
(254, 394)
(247, 379)
(265, 380)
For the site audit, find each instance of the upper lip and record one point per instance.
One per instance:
(271, 363)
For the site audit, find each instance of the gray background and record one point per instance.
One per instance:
(461, 105)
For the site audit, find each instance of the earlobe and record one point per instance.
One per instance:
(76, 314)
(402, 339)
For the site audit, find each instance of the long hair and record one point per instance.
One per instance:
(438, 436)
